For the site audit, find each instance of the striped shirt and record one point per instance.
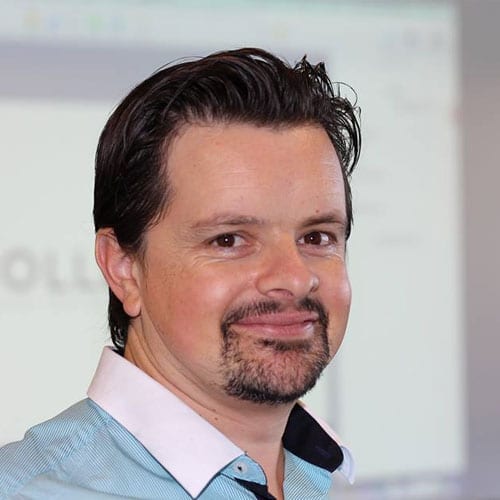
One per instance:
(132, 438)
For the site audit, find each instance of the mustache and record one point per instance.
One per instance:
(263, 307)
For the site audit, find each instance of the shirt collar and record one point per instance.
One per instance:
(174, 433)
(312, 439)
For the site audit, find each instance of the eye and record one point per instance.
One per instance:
(318, 238)
(227, 240)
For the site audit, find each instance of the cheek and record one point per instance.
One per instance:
(337, 298)
(336, 288)
(342, 294)
(193, 301)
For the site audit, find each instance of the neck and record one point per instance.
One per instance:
(255, 428)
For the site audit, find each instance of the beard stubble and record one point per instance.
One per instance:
(270, 371)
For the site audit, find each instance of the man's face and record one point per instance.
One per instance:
(243, 285)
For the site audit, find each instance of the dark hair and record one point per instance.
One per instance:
(247, 85)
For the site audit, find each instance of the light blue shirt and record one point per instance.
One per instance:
(113, 445)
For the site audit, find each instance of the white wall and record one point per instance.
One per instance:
(396, 391)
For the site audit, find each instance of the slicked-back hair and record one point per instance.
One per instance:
(248, 86)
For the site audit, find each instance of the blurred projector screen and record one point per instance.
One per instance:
(395, 391)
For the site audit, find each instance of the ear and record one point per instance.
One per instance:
(120, 270)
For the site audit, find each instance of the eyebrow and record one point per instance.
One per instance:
(241, 220)
(328, 218)
(228, 220)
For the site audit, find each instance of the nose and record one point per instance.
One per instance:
(286, 274)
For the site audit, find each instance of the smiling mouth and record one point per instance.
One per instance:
(284, 325)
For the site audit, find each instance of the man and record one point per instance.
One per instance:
(222, 209)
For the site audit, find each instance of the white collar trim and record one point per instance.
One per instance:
(170, 430)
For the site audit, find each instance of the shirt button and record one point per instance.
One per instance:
(240, 467)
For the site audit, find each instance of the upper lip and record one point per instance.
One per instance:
(280, 318)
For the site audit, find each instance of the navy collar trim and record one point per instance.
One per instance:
(305, 438)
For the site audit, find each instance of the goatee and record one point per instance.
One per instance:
(271, 371)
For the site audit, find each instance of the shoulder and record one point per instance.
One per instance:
(82, 453)
(50, 446)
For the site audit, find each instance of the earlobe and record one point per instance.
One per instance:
(119, 270)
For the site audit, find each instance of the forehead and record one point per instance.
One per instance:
(245, 167)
